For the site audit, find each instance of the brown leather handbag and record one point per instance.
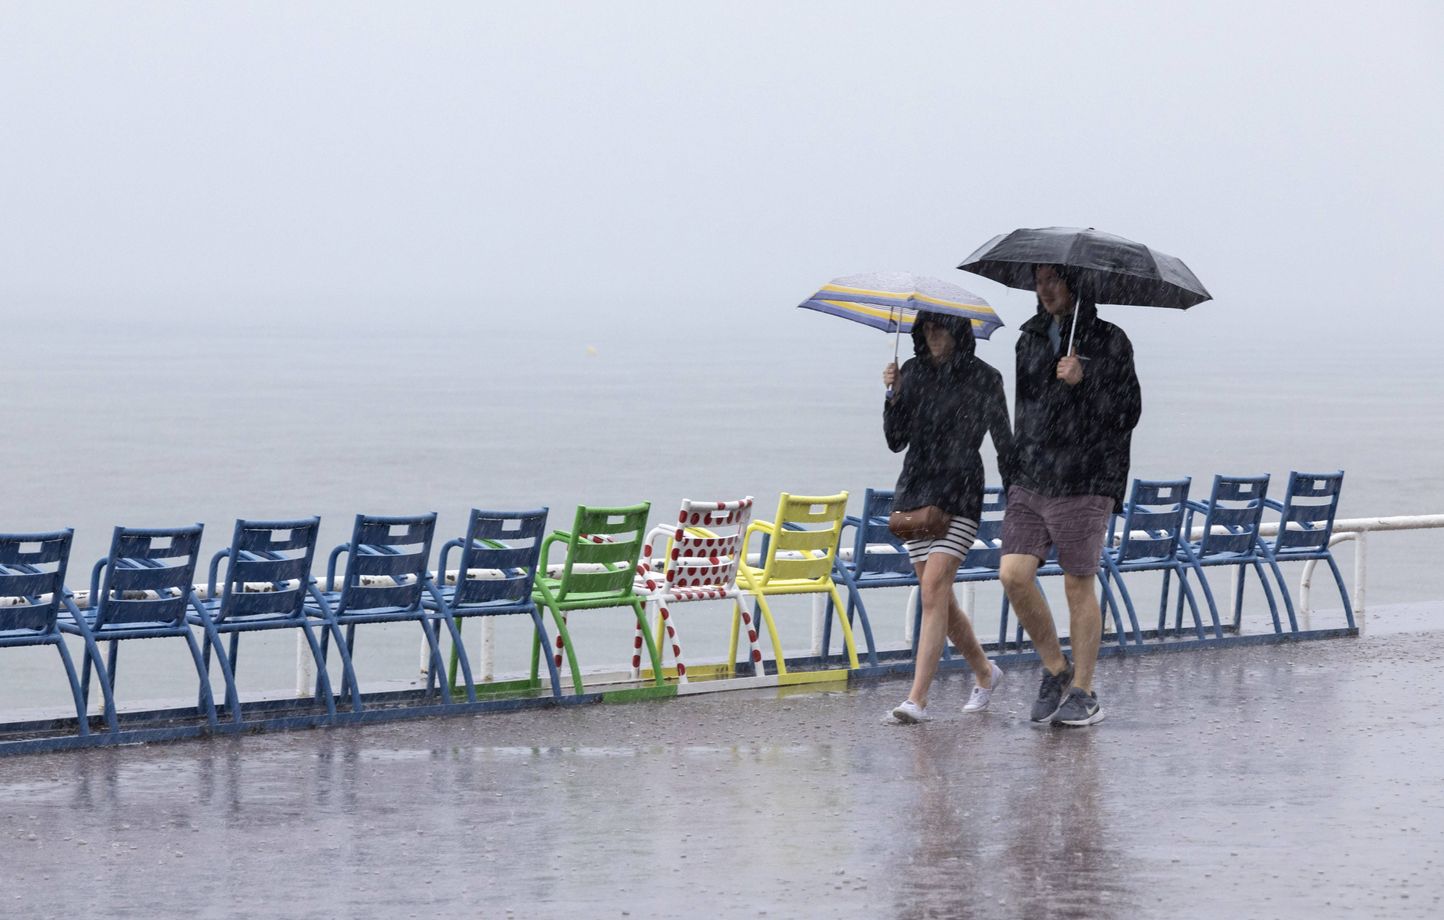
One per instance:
(920, 523)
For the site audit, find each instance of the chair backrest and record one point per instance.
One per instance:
(499, 557)
(1235, 510)
(142, 561)
(397, 548)
(602, 552)
(875, 551)
(804, 545)
(32, 578)
(1153, 520)
(990, 531)
(273, 553)
(707, 544)
(1306, 522)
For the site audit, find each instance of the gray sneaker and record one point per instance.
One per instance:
(1080, 708)
(1050, 693)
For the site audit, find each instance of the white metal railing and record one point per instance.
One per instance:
(1345, 530)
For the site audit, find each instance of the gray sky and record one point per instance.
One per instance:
(346, 156)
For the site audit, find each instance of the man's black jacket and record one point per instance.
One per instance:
(1075, 440)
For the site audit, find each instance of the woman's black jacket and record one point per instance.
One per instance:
(939, 413)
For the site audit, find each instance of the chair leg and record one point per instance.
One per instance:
(437, 666)
(564, 646)
(1238, 599)
(658, 678)
(1163, 601)
(777, 653)
(827, 624)
(637, 642)
(543, 639)
(228, 676)
(82, 718)
(742, 618)
(458, 652)
(1268, 596)
(349, 683)
(1002, 627)
(1283, 589)
(866, 626)
(847, 640)
(1117, 576)
(667, 632)
(1109, 604)
(92, 653)
(1343, 592)
(208, 703)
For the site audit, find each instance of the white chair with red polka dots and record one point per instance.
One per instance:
(694, 559)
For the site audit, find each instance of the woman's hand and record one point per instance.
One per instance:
(889, 375)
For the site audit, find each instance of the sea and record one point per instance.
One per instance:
(129, 416)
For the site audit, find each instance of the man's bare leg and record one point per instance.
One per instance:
(1085, 626)
(1018, 574)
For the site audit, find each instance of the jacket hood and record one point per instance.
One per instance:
(961, 327)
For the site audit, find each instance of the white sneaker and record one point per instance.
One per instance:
(908, 713)
(981, 695)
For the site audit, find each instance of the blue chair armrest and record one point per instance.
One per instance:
(446, 549)
(95, 583)
(1274, 505)
(214, 571)
(331, 565)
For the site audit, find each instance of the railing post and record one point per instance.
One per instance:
(908, 616)
(1361, 576)
(305, 667)
(819, 614)
(488, 649)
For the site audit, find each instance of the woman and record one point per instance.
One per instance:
(943, 401)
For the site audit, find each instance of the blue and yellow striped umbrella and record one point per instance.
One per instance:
(891, 301)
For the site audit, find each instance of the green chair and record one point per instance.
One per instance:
(602, 550)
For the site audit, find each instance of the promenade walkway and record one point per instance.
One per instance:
(1295, 780)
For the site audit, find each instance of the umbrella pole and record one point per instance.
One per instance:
(897, 335)
(1073, 326)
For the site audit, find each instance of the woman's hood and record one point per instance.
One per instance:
(960, 326)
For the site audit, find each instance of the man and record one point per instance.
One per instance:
(1074, 414)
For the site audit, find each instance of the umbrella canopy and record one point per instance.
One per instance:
(1108, 268)
(891, 301)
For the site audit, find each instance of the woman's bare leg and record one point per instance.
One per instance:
(935, 579)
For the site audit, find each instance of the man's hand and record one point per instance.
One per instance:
(1070, 369)
(889, 375)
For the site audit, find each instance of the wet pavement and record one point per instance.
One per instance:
(1300, 780)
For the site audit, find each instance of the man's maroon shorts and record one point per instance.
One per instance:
(1075, 524)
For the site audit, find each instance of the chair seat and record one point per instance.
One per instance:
(482, 608)
(371, 614)
(18, 637)
(707, 593)
(122, 630)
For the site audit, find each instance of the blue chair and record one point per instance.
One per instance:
(386, 581)
(268, 581)
(1231, 520)
(32, 585)
(1306, 525)
(496, 576)
(879, 560)
(144, 589)
(1150, 539)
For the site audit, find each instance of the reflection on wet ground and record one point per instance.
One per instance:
(1291, 781)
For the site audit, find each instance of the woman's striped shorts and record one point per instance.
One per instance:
(956, 542)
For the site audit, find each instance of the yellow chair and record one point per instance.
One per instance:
(801, 548)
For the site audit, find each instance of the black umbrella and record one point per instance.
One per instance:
(1105, 268)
